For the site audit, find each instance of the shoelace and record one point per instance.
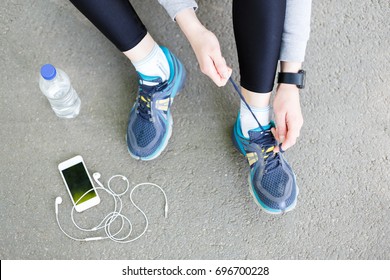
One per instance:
(265, 139)
(145, 98)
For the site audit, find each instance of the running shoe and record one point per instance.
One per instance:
(150, 121)
(272, 182)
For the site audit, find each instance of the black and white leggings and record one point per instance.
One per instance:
(258, 27)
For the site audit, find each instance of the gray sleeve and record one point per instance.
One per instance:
(296, 30)
(173, 7)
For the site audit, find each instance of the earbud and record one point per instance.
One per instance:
(96, 177)
(58, 202)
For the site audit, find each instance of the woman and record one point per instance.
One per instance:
(266, 32)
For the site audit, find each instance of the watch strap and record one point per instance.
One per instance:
(297, 79)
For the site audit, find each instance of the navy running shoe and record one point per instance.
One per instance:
(272, 182)
(150, 121)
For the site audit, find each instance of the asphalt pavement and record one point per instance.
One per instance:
(342, 158)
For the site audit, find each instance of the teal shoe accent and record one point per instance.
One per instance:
(149, 78)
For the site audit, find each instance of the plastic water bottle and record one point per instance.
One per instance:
(55, 85)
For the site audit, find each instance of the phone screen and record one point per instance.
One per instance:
(78, 182)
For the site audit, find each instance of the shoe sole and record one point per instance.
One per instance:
(290, 208)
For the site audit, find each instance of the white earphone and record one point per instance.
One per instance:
(107, 221)
(58, 202)
(96, 177)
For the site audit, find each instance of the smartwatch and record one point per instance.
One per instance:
(297, 79)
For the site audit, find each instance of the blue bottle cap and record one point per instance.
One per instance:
(48, 72)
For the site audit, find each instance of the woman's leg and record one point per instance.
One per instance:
(119, 22)
(258, 28)
(161, 74)
(116, 19)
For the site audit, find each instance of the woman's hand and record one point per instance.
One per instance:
(288, 115)
(206, 47)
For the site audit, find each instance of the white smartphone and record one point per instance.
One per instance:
(78, 183)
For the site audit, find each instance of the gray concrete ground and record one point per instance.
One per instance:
(342, 159)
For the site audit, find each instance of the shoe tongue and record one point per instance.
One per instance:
(152, 86)
(147, 88)
(150, 81)
(257, 132)
(263, 137)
